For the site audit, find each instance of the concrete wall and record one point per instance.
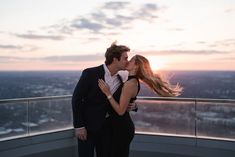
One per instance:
(63, 144)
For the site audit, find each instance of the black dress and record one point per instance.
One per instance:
(122, 127)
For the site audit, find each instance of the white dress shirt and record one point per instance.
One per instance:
(113, 81)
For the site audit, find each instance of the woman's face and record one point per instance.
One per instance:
(131, 64)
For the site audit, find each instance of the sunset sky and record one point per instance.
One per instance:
(74, 34)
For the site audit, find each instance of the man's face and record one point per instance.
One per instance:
(131, 64)
(122, 63)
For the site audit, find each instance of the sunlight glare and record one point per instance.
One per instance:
(156, 63)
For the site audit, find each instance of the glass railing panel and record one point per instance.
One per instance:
(49, 115)
(204, 118)
(216, 120)
(13, 119)
(165, 117)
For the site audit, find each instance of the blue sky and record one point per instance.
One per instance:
(74, 34)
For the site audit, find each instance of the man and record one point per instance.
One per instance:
(90, 105)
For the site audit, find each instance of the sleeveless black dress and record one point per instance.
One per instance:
(122, 127)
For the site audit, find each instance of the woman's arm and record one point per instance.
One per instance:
(128, 91)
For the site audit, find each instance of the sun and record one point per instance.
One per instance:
(156, 63)
(155, 66)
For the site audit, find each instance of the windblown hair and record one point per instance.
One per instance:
(115, 51)
(154, 81)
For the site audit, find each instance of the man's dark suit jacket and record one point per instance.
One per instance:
(89, 104)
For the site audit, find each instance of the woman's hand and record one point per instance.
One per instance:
(104, 87)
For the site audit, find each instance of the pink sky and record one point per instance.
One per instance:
(174, 35)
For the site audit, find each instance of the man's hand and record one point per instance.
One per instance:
(132, 107)
(81, 133)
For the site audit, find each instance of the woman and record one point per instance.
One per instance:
(122, 125)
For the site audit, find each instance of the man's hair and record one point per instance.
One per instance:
(115, 51)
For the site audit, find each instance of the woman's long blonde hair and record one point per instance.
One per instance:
(154, 81)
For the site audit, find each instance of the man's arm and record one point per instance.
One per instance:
(78, 97)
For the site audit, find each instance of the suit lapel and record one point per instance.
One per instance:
(101, 71)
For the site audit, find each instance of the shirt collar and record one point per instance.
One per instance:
(107, 72)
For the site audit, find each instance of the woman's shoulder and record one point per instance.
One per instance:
(131, 87)
(131, 83)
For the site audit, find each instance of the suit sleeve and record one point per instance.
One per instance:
(79, 94)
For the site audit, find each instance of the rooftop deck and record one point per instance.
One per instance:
(165, 127)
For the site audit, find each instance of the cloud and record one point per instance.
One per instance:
(229, 10)
(115, 5)
(226, 42)
(96, 57)
(74, 58)
(10, 47)
(22, 48)
(39, 37)
(60, 59)
(62, 27)
(109, 17)
(7, 59)
(201, 42)
(176, 29)
(184, 52)
(146, 12)
(83, 23)
(226, 59)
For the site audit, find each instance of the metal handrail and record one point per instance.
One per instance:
(33, 99)
(138, 98)
(187, 99)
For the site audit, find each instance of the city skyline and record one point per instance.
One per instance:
(74, 34)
